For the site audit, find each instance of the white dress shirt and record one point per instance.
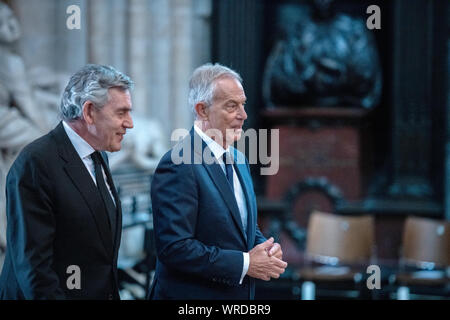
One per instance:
(85, 150)
(218, 152)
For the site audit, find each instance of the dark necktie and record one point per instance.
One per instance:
(229, 170)
(104, 192)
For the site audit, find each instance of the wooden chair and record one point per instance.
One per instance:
(425, 258)
(338, 250)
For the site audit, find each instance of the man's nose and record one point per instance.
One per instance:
(242, 113)
(128, 123)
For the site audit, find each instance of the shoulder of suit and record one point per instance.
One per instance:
(41, 147)
(38, 153)
(167, 156)
(178, 149)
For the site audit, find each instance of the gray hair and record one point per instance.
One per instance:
(91, 83)
(202, 83)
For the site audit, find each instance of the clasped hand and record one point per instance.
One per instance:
(266, 261)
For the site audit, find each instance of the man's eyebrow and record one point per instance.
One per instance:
(236, 101)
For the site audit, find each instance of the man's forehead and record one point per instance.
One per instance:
(118, 90)
(121, 98)
(229, 88)
(119, 93)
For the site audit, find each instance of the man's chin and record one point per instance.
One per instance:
(115, 148)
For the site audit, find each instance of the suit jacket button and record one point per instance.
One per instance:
(110, 296)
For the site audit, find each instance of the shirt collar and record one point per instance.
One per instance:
(83, 148)
(216, 148)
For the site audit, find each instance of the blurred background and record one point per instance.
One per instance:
(359, 91)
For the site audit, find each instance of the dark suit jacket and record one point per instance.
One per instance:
(56, 218)
(198, 229)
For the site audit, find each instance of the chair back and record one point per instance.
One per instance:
(426, 241)
(335, 239)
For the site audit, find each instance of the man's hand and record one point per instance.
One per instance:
(275, 251)
(262, 266)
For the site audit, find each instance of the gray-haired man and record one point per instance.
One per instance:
(204, 212)
(63, 211)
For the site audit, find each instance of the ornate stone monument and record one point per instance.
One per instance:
(322, 58)
(321, 81)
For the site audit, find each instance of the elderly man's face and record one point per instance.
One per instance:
(112, 120)
(227, 113)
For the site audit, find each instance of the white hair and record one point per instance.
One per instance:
(202, 83)
(91, 83)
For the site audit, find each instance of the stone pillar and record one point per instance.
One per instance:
(137, 53)
(181, 115)
(118, 25)
(71, 45)
(159, 44)
(38, 42)
(100, 29)
(201, 32)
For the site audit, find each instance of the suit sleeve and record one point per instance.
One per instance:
(259, 238)
(31, 228)
(175, 203)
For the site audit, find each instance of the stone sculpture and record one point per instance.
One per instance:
(323, 58)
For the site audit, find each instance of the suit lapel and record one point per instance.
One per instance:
(82, 180)
(218, 177)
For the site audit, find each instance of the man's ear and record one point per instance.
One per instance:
(202, 111)
(88, 112)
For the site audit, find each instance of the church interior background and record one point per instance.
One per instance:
(362, 116)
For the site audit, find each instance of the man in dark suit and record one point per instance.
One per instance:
(204, 209)
(63, 212)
